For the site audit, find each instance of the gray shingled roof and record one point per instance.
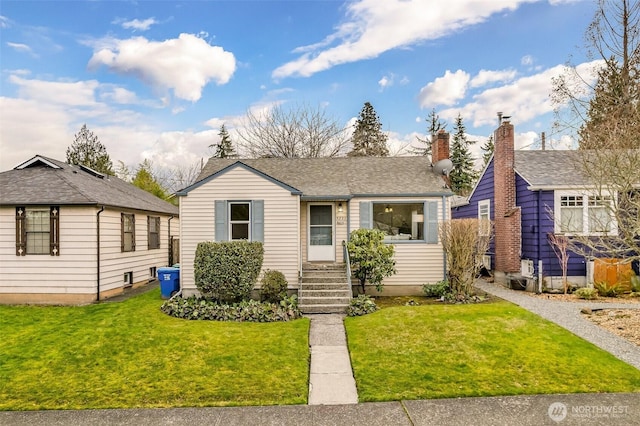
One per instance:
(71, 185)
(551, 167)
(342, 177)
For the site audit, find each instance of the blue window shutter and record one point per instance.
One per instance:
(221, 220)
(431, 222)
(257, 220)
(365, 214)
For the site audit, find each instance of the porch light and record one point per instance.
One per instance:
(388, 209)
(339, 207)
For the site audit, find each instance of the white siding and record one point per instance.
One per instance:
(114, 263)
(281, 228)
(74, 271)
(417, 263)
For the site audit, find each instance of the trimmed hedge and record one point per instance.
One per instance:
(227, 271)
(195, 308)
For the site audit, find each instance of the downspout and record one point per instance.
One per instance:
(444, 257)
(98, 253)
(169, 242)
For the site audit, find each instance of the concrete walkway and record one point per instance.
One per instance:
(568, 316)
(331, 379)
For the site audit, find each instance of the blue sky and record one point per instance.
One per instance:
(156, 79)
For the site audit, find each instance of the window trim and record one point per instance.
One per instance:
(150, 240)
(484, 231)
(232, 222)
(123, 232)
(585, 199)
(21, 230)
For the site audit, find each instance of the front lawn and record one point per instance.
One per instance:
(129, 354)
(446, 351)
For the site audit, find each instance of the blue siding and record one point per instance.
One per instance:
(536, 223)
(483, 191)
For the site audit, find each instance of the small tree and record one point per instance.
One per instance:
(560, 244)
(487, 150)
(368, 138)
(371, 259)
(87, 150)
(224, 148)
(464, 241)
(435, 125)
(144, 179)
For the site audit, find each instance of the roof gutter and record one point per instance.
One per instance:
(98, 253)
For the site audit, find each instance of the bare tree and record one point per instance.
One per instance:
(179, 176)
(464, 241)
(296, 132)
(560, 245)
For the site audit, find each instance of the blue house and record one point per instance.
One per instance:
(522, 192)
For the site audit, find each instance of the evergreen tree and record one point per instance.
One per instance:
(144, 179)
(463, 174)
(87, 150)
(487, 150)
(224, 148)
(368, 139)
(435, 124)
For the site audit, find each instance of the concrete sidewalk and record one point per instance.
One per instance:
(532, 410)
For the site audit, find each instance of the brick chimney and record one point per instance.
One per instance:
(507, 214)
(440, 147)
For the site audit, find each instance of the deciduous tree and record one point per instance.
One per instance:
(299, 131)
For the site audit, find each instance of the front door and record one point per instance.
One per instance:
(321, 240)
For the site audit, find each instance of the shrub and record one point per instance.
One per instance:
(635, 283)
(371, 259)
(586, 293)
(227, 271)
(438, 289)
(195, 308)
(274, 286)
(607, 290)
(361, 305)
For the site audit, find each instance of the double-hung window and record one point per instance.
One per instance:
(239, 221)
(37, 230)
(128, 234)
(484, 216)
(153, 232)
(582, 214)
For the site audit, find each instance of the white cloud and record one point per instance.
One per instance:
(185, 64)
(372, 27)
(120, 95)
(79, 93)
(385, 82)
(485, 77)
(20, 47)
(139, 25)
(523, 99)
(445, 90)
(527, 60)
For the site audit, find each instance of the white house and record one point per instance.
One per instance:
(71, 235)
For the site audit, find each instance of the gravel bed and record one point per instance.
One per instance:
(567, 315)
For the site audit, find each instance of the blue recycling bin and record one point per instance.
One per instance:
(169, 281)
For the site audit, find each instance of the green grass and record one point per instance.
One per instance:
(498, 348)
(129, 354)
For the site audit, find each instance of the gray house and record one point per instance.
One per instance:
(72, 235)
